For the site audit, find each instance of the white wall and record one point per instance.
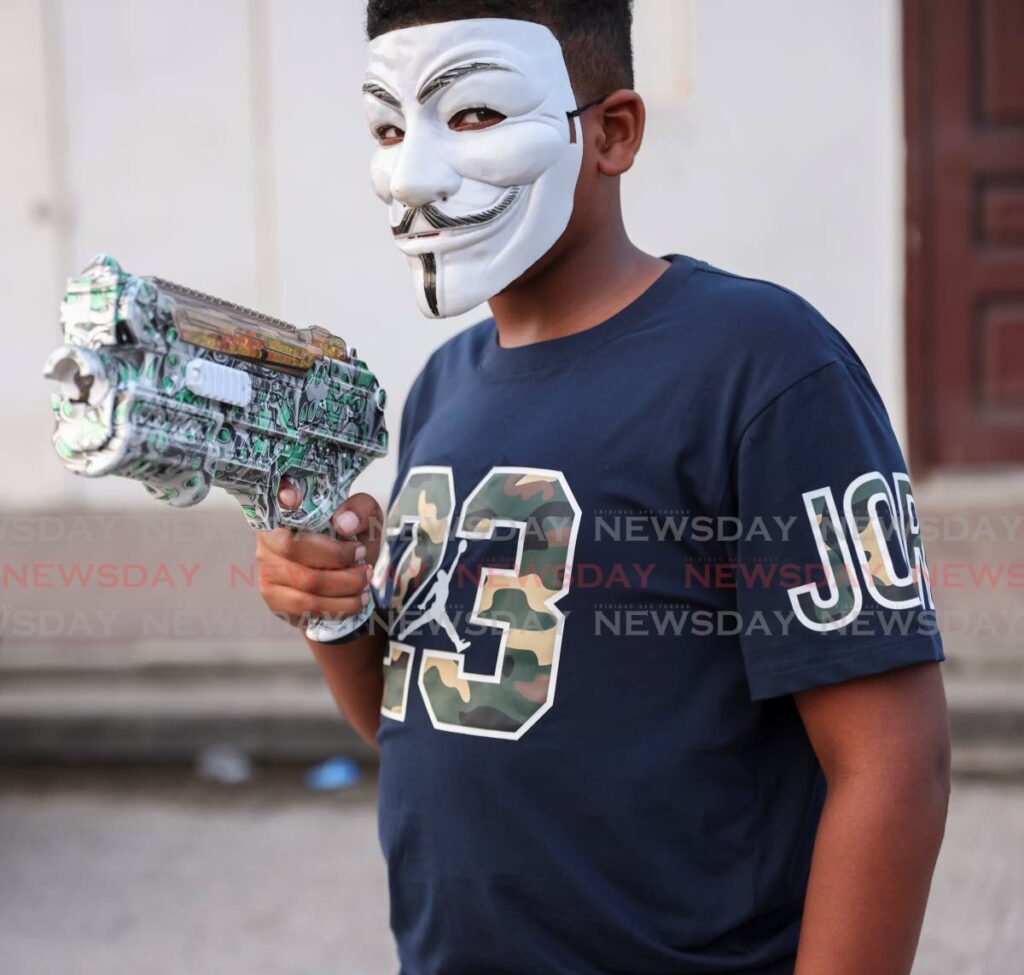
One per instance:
(222, 145)
(787, 161)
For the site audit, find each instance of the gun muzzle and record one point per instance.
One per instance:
(82, 407)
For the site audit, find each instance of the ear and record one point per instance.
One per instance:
(619, 131)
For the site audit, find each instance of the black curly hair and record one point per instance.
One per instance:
(595, 34)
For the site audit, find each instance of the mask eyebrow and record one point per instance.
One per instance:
(381, 94)
(450, 75)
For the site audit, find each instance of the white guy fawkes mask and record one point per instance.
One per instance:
(479, 152)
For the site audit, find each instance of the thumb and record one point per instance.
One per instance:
(288, 495)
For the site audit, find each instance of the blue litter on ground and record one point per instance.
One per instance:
(335, 773)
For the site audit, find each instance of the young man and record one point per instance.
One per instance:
(660, 690)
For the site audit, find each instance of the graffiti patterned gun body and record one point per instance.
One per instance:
(183, 392)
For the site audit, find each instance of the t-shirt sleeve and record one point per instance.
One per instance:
(832, 580)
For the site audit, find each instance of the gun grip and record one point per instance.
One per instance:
(324, 631)
(319, 502)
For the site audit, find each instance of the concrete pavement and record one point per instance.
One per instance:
(121, 872)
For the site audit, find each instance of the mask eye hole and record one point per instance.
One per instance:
(474, 119)
(388, 135)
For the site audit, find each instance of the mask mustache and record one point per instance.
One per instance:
(442, 221)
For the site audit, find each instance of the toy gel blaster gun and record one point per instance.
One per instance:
(182, 392)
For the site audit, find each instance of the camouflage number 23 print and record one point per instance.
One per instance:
(520, 602)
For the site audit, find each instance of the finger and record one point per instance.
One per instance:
(356, 515)
(288, 495)
(361, 516)
(332, 583)
(305, 548)
(295, 603)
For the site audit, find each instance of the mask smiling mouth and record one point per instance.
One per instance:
(442, 221)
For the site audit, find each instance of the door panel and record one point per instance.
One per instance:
(964, 75)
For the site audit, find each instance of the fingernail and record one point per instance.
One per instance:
(347, 522)
(364, 598)
(369, 573)
(289, 497)
(360, 553)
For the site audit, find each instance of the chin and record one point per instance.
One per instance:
(458, 270)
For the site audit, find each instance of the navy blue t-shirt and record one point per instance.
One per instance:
(613, 558)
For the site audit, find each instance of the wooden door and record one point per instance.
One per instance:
(964, 84)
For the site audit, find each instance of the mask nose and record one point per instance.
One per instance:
(421, 174)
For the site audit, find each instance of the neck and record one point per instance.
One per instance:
(575, 290)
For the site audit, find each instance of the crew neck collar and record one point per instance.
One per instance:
(498, 361)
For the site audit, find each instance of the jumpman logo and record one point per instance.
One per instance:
(435, 609)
